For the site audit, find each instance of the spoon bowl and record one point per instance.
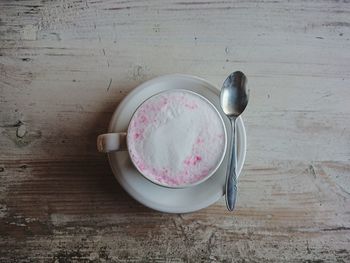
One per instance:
(234, 95)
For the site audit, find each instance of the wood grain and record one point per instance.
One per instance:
(66, 64)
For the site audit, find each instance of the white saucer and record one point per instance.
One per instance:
(154, 196)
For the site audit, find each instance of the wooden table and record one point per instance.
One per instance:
(66, 64)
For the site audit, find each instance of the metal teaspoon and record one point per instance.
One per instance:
(233, 100)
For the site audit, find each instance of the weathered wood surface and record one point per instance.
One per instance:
(64, 67)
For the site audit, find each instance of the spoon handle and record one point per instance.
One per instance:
(231, 178)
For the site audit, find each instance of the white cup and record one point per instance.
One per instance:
(111, 142)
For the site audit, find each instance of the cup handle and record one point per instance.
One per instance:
(110, 142)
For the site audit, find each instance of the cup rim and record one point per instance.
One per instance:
(222, 154)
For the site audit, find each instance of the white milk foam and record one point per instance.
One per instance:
(176, 138)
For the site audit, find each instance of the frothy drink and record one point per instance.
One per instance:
(176, 138)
